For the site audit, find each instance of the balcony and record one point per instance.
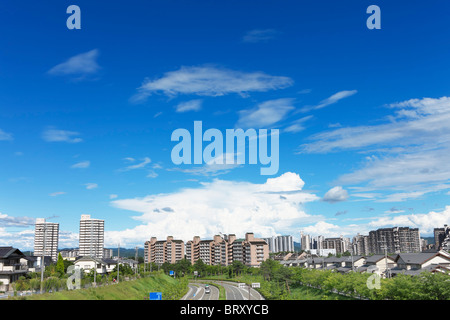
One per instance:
(13, 268)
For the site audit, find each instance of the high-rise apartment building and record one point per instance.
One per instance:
(92, 235)
(280, 243)
(48, 232)
(439, 236)
(305, 241)
(361, 245)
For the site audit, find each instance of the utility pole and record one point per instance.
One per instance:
(137, 265)
(385, 256)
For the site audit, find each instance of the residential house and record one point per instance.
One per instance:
(88, 263)
(10, 267)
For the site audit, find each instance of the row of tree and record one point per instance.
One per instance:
(425, 286)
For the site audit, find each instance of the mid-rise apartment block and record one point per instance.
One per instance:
(48, 232)
(340, 244)
(161, 251)
(223, 250)
(394, 240)
(92, 235)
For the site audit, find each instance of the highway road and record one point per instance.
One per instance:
(232, 290)
(197, 292)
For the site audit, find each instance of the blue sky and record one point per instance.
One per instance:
(86, 117)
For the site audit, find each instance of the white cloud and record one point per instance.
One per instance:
(81, 165)
(265, 114)
(113, 196)
(91, 186)
(192, 105)
(335, 194)
(55, 194)
(4, 136)
(210, 81)
(259, 35)
(9, 221)
(297, 125)
(219, 206)
(410, 151)
(426, 222)
(81, 64)
(331, 100)
(140, 165)
(54, 135)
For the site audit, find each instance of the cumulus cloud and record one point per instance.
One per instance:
(219, 206)
(426, 222)
(335, 194)
(210, 81)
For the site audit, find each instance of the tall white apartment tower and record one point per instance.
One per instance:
(49, 232)
(305, 241)
(92, 233)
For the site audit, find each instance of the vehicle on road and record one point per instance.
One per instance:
(207, 289)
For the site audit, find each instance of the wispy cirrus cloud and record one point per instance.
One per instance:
(55, 135)
(4, 136)
(81, 165)
(210, 81)
(330, 100)
(265, 114)
(408, 152)
(80, 65)
(58, 193)
(139, 165)
(259, 35)
(192, 105)
(91, 185)
(297, 125)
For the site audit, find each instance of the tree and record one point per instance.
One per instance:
(60, 264)
(237, 267)
(182, 266)
(199, 266)
(269, 267)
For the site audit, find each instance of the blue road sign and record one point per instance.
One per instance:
(155, 295)
(171, 272)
